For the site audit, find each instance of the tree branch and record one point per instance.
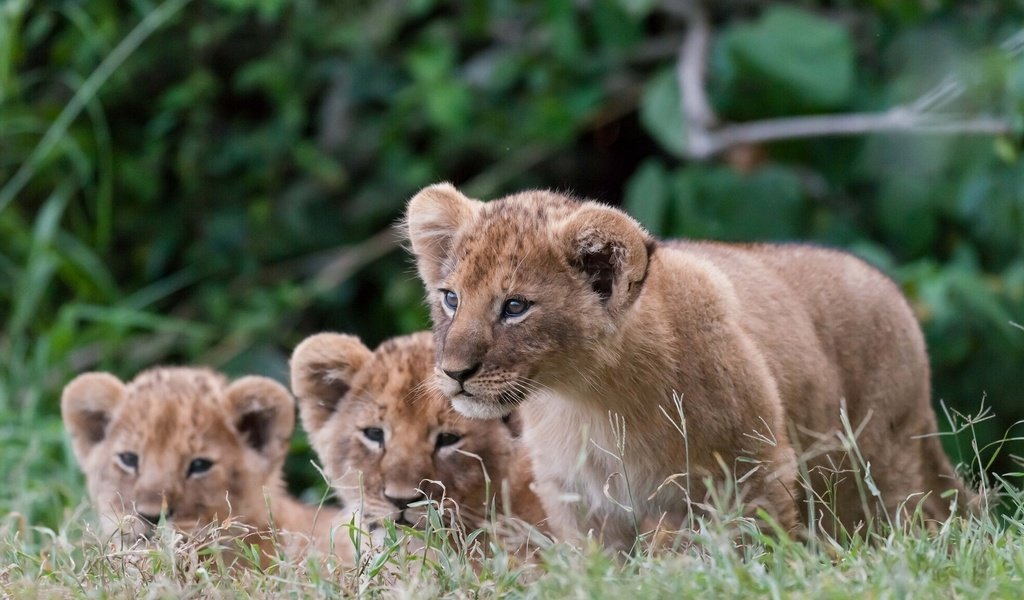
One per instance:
(705, 138)
(692, 66)
(899, 119)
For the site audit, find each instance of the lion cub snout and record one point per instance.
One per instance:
(459, 374)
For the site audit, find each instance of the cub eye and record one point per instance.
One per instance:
(128, 460)
(451, 299)
(514, 307)
(447, 439)
(199, 465)
(374, 434)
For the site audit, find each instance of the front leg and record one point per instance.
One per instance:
(574, 516)
(774, 488)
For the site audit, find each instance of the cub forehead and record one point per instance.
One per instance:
(510, 238)
(178, 381)
(398, 382)
(512, 221)
(532, 205)
(169, 401)
(398, 364)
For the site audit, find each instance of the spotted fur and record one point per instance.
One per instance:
(761, 344)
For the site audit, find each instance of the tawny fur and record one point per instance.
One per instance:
(168, 417)
(345, 390)
(763, 344)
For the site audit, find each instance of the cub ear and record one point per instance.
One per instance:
(263, 412)
(514, 422)
(322, 369)
(86, 406)
(432, 218)
(610, 249)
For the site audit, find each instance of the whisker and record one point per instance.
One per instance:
(515, 270)
(429, 385)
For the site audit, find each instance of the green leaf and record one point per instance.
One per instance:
(661, 112)
(564, 33)
(83, 269)
(431, 61)
(720, 203)
(647, 196)
(448, 105)
(790, 60)
(637, 8)
(42, 262)
(615, 27)
(908, 215)
(324, 168)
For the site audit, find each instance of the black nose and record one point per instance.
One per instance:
(154, 519)
(403, 503)
(463, 375)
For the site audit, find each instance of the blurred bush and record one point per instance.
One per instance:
(212, 199)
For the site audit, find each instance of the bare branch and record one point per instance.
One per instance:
(350, 259)
(899, 119)
(705, 138)
(691, 69)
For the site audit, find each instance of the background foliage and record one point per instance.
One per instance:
(197, 181)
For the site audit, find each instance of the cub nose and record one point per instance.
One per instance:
(154, 519)
(403, 503)
(464, 374)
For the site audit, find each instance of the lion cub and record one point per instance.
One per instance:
(184, 445)
(572, 312)
(388, 439)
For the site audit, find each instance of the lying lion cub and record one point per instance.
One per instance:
(573, 312)
(183, 445)
(388, 439)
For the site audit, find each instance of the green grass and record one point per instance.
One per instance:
(48, 548)
(976, 558)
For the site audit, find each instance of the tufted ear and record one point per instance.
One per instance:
(433, 217)
(263, 412)
(610, 249)
(86, 406)
(323, 367)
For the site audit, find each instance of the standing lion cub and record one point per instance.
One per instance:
(572, 312)
(183, 445)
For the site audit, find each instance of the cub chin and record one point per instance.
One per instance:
(613, 344)
(389, 440)
(184, 446)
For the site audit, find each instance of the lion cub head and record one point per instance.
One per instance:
(526, 292)
(386, 437)
(180, 444)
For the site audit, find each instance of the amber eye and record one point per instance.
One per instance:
(374, 434)
(199, 466)
(129, 460)
(447, 439)
(515, 307)
(451, 299)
